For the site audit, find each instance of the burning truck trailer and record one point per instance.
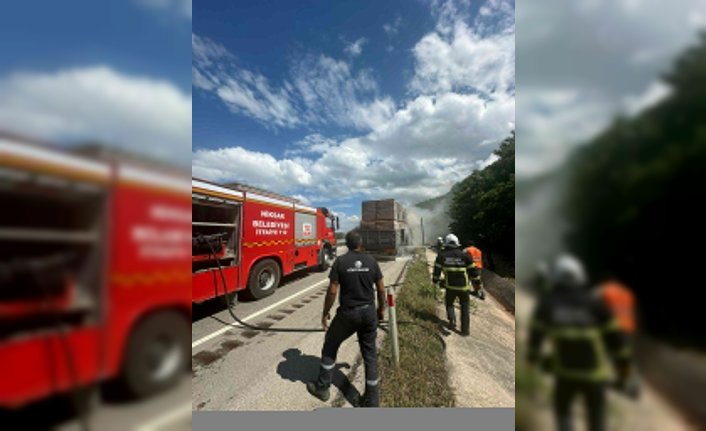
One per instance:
(384, 228)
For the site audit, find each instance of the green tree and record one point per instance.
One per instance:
(483, 204)
(635, 198)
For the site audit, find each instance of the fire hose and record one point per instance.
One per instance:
(34, 269)
(207, 239)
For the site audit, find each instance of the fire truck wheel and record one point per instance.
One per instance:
(326, 258)
(156, 355)
(264, 279)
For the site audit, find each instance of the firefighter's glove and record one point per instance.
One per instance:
(479, 293)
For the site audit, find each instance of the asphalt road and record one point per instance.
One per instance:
(234, 368)
(168, 411)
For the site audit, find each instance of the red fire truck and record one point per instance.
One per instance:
(94, 282)
(262, 236)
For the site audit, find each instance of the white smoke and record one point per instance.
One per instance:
(435, 221)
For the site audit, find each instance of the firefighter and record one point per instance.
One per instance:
(621, 302)
(359, 277)
(439, 244)
(477, 256)
(459, 271)
(540, 282)
(584, 338)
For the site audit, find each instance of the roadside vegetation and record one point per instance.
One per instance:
(421, 379)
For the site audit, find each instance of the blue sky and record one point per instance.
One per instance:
(115, 71)
(336, 103)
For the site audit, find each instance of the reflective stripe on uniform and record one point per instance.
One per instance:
(602, 372)
(447, 270)
(371, 382)
(328, 367)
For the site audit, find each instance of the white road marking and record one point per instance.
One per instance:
(254, 315)
(167, 418)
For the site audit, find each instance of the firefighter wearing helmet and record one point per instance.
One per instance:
(585, 339)
(459, 272)
(439, 244)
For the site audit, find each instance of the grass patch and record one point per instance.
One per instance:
(421, 379)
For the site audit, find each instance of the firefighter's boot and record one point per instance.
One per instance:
(321, 392)
(371, 397)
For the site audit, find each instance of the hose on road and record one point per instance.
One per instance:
(229, 301)
(230, 305)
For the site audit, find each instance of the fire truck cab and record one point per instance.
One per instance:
(259, 237)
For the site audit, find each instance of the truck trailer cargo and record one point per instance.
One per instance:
(383, 227)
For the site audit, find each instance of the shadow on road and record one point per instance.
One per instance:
(214, 306)
(297, 367)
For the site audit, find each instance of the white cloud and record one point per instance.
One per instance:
(600, 53)
(320, 90)
(482, 164)
(181, 7)
(145, 115)
(449, 12)
(427, 146)
(393, 28)
(655, 92)
(495, 16)
(463, 60)
(446, 125)
(251, 94)
(205, 51)
(256, 168)
(242, 91)
(311, 144)
(330, 91)
(550, 119)
(356, 48)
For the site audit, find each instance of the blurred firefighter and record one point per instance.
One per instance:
(459, 272)
(584, 337)
(477, 256)
(620, 300)
(439, 244)
(360, 278)
(540, 282)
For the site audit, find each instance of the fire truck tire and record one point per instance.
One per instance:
(157, 354)
(264, 279)
(325, 259)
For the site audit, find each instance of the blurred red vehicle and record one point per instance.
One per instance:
(94, 281)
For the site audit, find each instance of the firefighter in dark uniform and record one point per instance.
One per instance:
(586, 340)
(459, 271)
(360, 280)
(439, 244)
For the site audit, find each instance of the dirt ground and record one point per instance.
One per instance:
(482, 366)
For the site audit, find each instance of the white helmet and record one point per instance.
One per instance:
(452, 239)
(568, 272)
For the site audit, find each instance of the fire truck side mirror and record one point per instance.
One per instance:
(338, 224)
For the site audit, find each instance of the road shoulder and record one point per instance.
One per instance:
(482, 366)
